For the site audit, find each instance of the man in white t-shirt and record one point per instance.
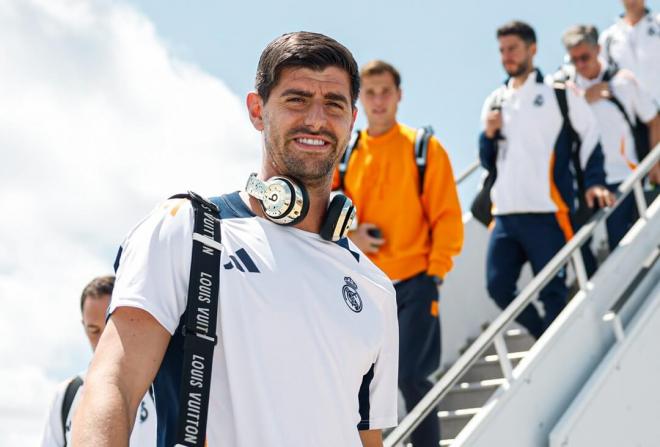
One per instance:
(624, 103)
(633, 43)
(57, 432)
(307, 344)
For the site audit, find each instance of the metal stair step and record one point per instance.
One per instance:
(469, 395)
(489, 368)
(452, 422)
(516, 340)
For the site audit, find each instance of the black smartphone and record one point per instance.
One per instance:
(375, 232)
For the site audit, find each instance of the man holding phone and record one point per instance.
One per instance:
(409, 225)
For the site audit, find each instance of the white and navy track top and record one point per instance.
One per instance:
(636, 48)
(616, 135)
(144, 428)
(532, 160)
(299, 362)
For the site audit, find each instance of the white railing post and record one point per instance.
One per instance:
(580, 270)
(617, 325)
(640, 200)
(503, 357)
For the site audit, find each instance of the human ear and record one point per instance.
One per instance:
(255, 110)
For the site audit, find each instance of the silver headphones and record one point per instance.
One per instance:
(286, 202)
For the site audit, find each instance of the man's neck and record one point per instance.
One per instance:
(633, 16)
(518, 81)
(376, 130)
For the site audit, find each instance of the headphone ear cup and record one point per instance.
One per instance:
(337, 218)
(305, 202)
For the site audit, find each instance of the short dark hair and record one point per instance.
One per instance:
(96, 288)
(518, 28)
(306, 50)
(377, 67)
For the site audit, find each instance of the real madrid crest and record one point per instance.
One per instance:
(351, 295)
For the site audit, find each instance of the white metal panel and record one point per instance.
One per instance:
(620, 404)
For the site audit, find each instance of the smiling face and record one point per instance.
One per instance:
(306, 123)
(93, 317)
(380, 98)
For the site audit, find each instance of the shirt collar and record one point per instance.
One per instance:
(536, 77)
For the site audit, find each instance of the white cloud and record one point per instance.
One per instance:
(98, 123)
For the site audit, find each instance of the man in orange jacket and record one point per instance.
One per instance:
(408, 229)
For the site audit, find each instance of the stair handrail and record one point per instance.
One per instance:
(468, 172)
(569, 252)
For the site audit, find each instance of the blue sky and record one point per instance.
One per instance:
(446, 51)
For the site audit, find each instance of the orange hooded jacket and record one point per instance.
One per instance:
(422, 232)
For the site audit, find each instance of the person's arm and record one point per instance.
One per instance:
(654, 135)
(443, 210)
(148, 299)
(125, 362)
(654, 131)
(371, 438)
(491, 121)
(645, 108)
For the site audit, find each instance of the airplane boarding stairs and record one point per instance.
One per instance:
(589, 380)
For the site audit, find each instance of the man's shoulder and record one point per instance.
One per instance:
(176, 215)
(373, 273)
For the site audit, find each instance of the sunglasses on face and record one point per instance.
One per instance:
(581, 58)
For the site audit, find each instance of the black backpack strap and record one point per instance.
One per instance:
(607, 49)
(581, 212)
(343, 162)
(422, 138)
(199, 328)
(69, 394)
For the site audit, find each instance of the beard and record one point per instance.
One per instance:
(307, 168)
(519, 69)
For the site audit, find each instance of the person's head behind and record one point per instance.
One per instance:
(307, 85)
(94, 302)
(634, 6)
(517, 42)
(380, 93)
(581, 42)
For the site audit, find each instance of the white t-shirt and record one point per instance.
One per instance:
(144, 429)
(636, 48)
(616, 137)
(299, 361)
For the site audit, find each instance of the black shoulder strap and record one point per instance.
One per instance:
(343, 162)
(199, 328)
(70, 394)
(422, 138)
(607, 77)
(560, 93)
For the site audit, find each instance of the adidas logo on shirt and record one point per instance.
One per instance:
(242, 261)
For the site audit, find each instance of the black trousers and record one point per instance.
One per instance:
(419, 349)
